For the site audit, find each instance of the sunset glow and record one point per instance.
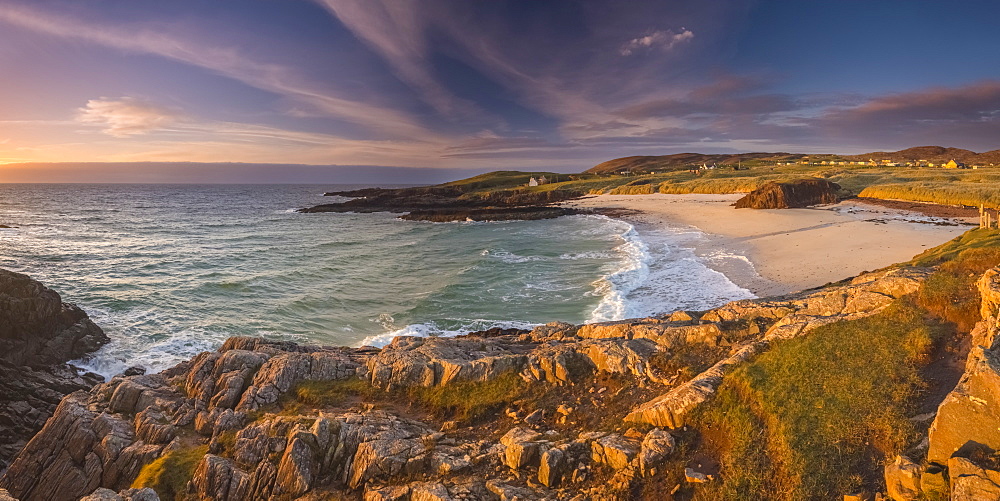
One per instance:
(474, 85)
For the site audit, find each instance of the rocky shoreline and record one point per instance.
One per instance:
(600, 413)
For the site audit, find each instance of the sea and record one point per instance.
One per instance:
(169, 271)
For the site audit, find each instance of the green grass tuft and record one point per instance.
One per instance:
(330, 393)
(471, 400)
(463, 400)
(169, 474)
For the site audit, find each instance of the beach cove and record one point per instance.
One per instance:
(777, 251)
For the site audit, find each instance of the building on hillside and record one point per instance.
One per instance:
(952, 164)
(532, 182)
(543, 180)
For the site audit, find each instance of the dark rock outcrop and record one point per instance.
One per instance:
(490, 214)
(37, 328)
(452, 203)
(794, 194)
(38, 335)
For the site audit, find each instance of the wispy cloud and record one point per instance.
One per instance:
(127, 116)
(397, 31)
(227, 61)
(663, 40)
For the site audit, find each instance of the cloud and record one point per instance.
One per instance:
(397, 31)
(966, 116)
(226, 61)
(126, 116)
(976, 102)
(663, 40)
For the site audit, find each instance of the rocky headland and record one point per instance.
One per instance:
(445, 203)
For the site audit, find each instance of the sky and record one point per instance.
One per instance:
(126, 90)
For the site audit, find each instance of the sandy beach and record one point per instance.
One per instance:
(789, 249)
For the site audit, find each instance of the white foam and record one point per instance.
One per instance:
(574, 256)
(615, 286)
(659, 273)
(133, 344)
(430, 329)
(509, 257)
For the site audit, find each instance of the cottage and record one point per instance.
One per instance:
(533, 182)
(543, 180)
(952, 164)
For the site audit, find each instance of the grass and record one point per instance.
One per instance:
(467, 401)
(978, 238)
(951, 293)
(813, 417)
(169, 474)
(332, 393)
(470, 401)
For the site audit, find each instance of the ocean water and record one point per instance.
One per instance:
(172, 270)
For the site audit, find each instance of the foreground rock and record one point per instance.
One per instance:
(801, 193)
(38, 335)
(967, 420)
(595, 417)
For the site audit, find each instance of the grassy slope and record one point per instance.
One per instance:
(815, 417)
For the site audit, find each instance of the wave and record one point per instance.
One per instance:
(630, 274)
(432, 329)
(509, 257)
(574, 256)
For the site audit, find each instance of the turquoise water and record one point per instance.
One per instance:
(172, 270)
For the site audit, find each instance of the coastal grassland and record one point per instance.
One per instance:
(950, 293)
(169, 474)
(978, 239)
(922, 184)
(813, 416)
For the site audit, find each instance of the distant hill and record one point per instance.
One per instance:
(930, 153)
(933, 154)
(680, 161)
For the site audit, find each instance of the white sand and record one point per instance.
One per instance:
(790, 249)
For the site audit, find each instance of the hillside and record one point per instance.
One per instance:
(682, 161)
